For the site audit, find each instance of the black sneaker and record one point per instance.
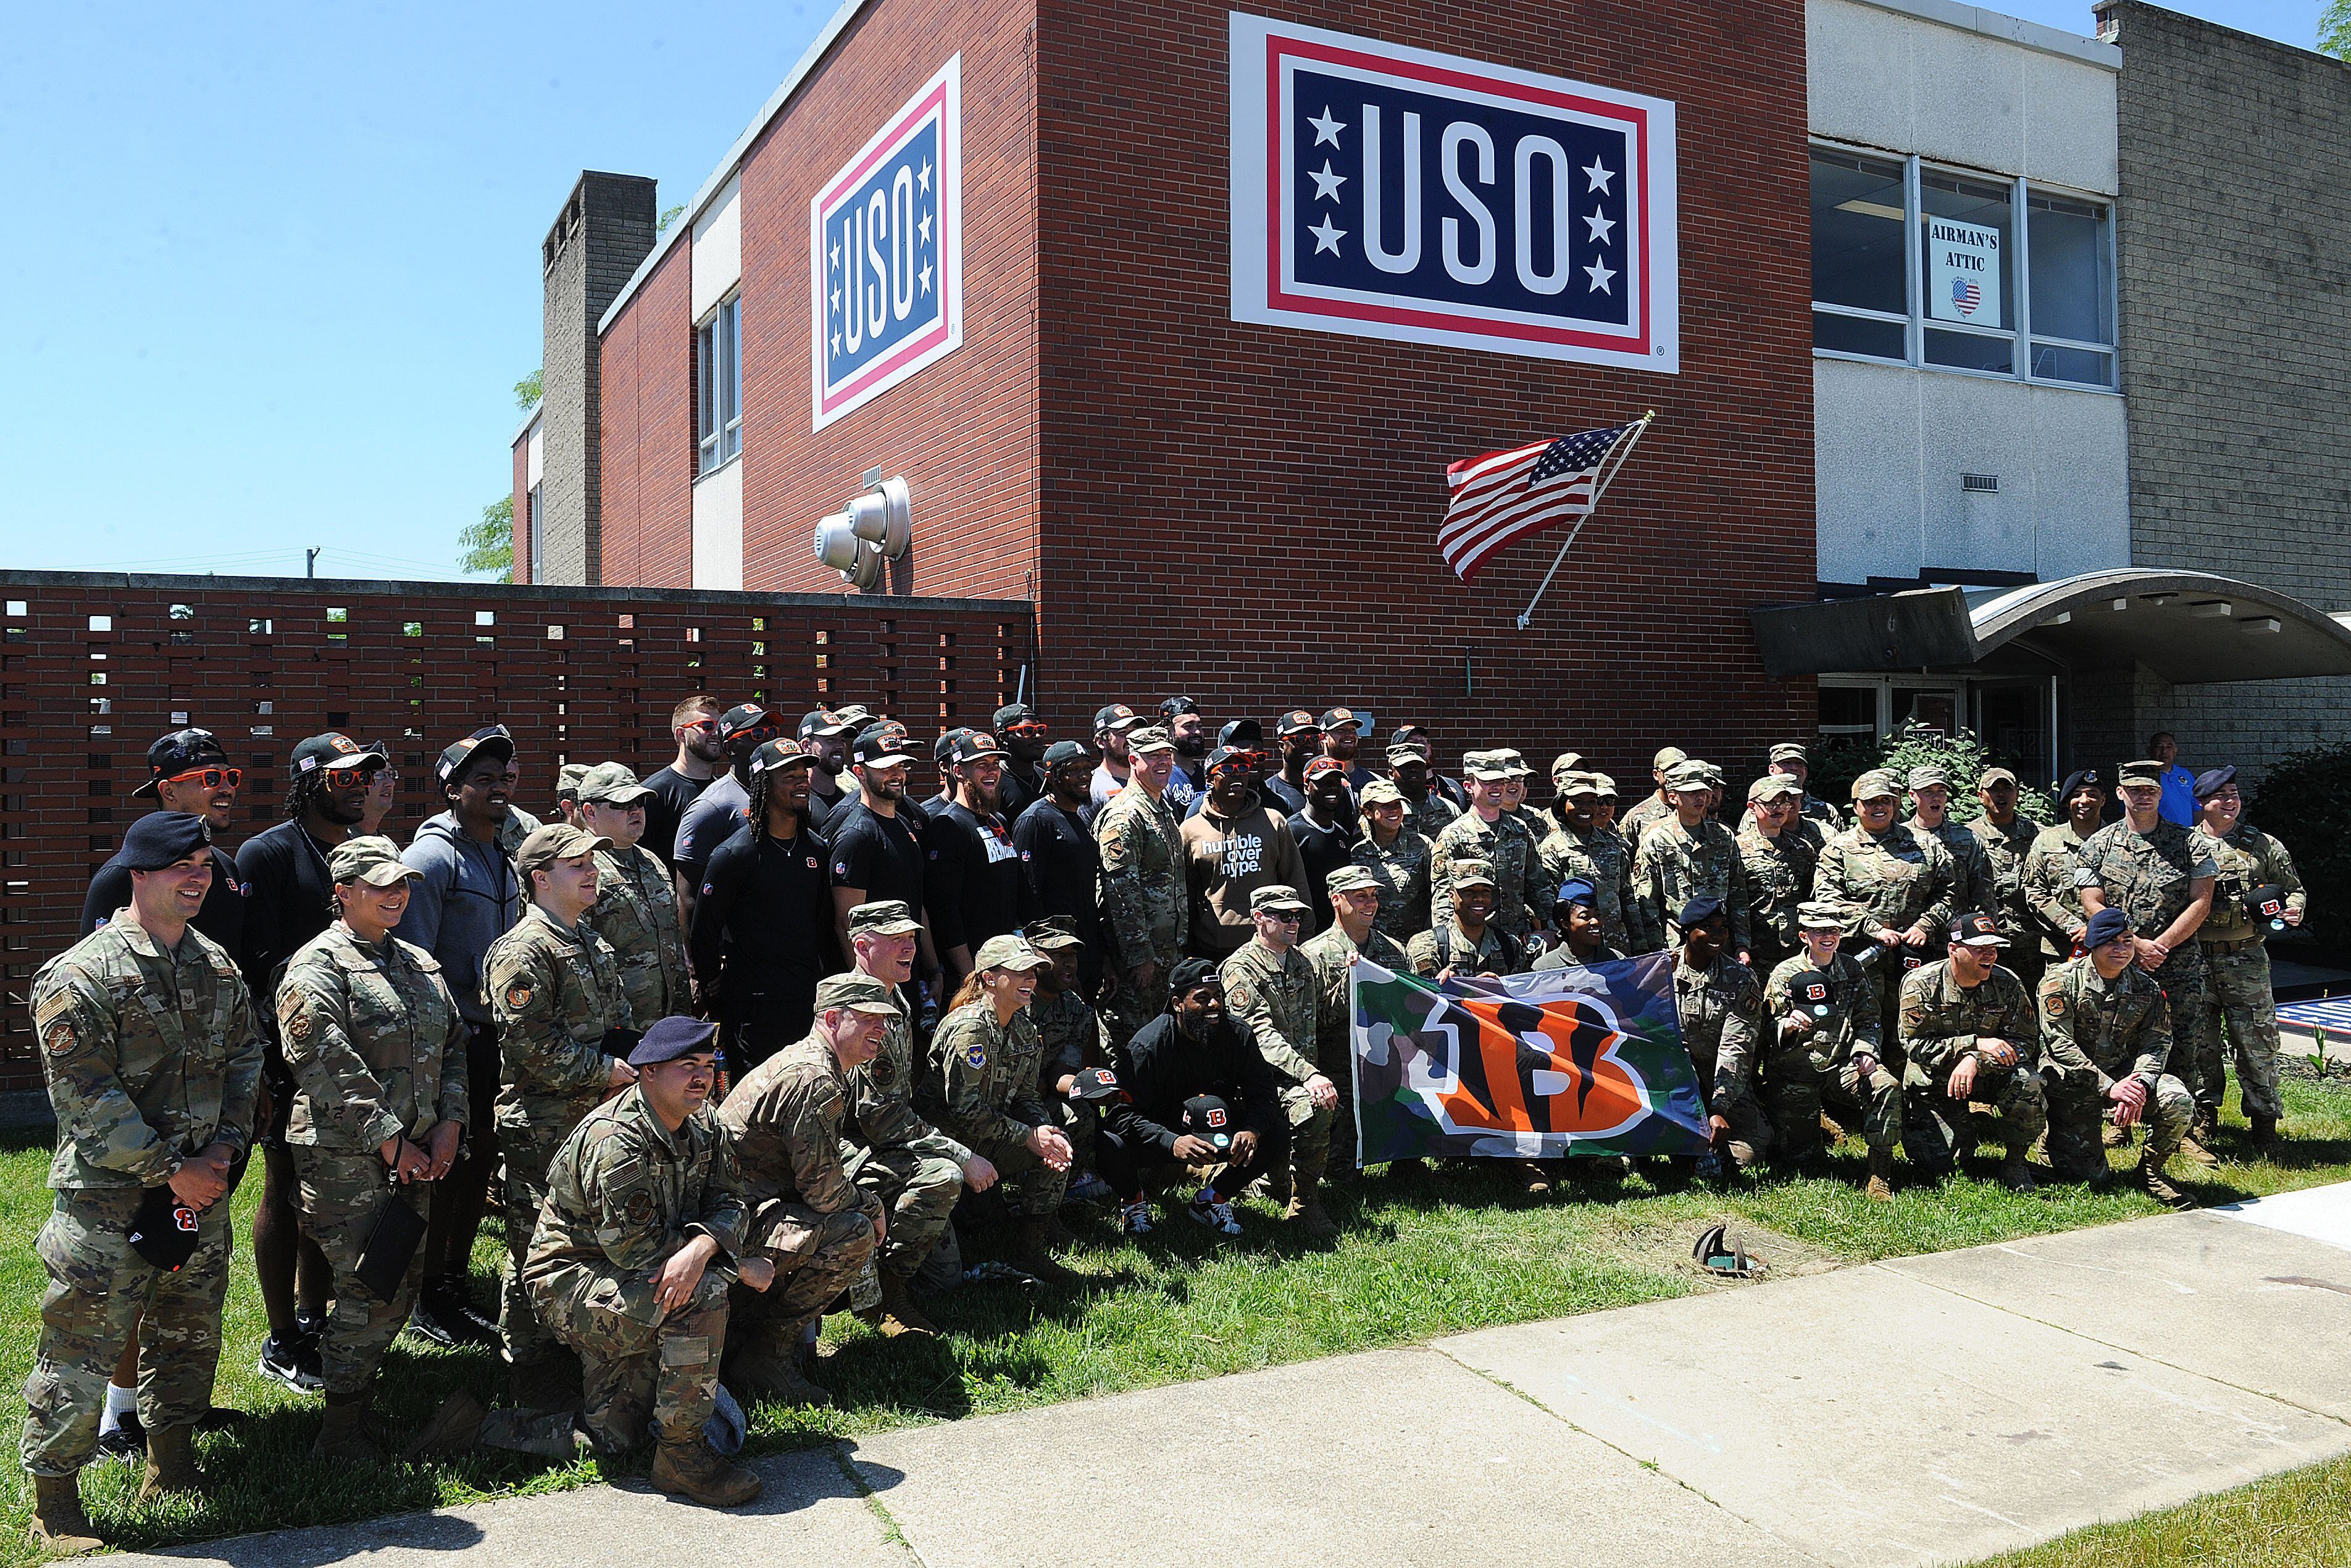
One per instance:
(296, 1365)
(446, 1315)
(127, 1442)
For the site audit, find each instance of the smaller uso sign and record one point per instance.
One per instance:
(885, 254)
(1392, 192)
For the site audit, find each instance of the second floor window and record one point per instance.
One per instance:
(718, 371)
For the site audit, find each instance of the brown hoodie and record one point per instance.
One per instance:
(1225, 859)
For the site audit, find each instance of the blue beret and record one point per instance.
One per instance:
(2208, 784)
(2106, 926)
(1699, 910)
(673, 1038)
(1575, 889)
(164, 838)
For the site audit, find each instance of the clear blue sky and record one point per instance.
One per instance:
(276, 268)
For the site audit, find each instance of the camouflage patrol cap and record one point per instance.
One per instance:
(1473, 874)
(1714, 777)
(2145, 772)
(1668, 757)
(1773, 784)
(1814, 915)
(1379, 792)
(556, 841)
(1512, 763)
(1276, 895)
(1991, 776)
(884, 916)
(567, 780)
(1877, 781)
(615, 784)
(856, 991)
(1565, 763)
(1928, 775)
(1351, 879)
(1150, 738)
(1689, 775)
(1573, 783)
(1786, 751)
(371, 858)
(1408, 749)
(1485, 767)
(1052, 933)
(1605, 785)
(1008, 952)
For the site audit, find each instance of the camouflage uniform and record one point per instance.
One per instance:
(1508, 851)
(2237, 965)
(2052, 893)
(1446, 947)
(1891, 881)
(636, 912)
(785, 1121)
(1334, 1019)
(1973, 887)
(2147, 877)
(1601, 859)
(1645, 814)
(554, 995)
(1402, 870)
(1721, 1007)
(1070, 1038)
(2004, 852)
(982, 1088)
(1810, 1064)
(1813, 809)
(377, 1050)
(1780, 871)
(1146, 896)
(623, 1194)
(1675, 865)
(913, 1171)
(151, 1056)
(1430, 815)
(2095, 1033)
(1275, 995)
(1940, 1022)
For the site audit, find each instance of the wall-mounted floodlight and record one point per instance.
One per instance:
(875, 526)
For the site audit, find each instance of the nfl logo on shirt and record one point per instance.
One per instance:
(1386, 192)
(885, 254)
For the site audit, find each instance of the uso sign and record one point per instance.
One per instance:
(885, 254)
(1392, 192)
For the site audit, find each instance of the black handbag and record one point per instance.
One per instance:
(391, 1245)
(164, 1230)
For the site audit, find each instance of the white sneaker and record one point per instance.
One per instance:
(1215, 1212)
(1136, 1216)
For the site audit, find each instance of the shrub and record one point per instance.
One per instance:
(2305, 801)
(1962, 757)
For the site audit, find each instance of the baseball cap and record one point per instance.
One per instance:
(2209, 784)
(1063, 751)
(1351, 879)
(1275, 896)
(556, 841)
(1242, 734)
(323, 751)
(1977, 931)
(1053, 933)
(1809, 989)
(1335, 717)
(780, 753)
(971, 745)
(1786, 751)
(1008, 952)
(1150, 738)
(1605, 785)
(1991, 776)
(2142, 772)
(1472, 873)
(822, 722)
(1096, 1084)
(1815, 914)
(885, 917)
(160, 839)
(671, 1038)
(1699, 910)
(857, 991)
(371, 858)
(743, 719)
(854, 718)
(945, 743)
(1230, 756)
(1380, 793)
(1297, 721)
(1011, 714)
(616, 783)
(1927, 775)
(2108, 924)
(1190, 973)
(1170, 706)
(1118, 717)
(1409, 750)
(177, 753)
(879, 747)
(1208, 1116)
(1668, 757)
(1877, 782)
(1322, 765)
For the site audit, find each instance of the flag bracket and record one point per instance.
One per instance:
(1609, 467)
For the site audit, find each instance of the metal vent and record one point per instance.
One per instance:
(1980, 484)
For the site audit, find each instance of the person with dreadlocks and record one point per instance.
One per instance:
(762, 933)
(291, 899)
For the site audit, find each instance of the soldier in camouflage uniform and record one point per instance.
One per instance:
(629, 1262)
(1070, 1038)
(1144, 890)
(1787, 760)
(982, 1088)
(2161, 875)
(1426, 812)
(1580, 849)
(2255, 869)
(1495, 839)
(915, 1171)
(153, 1065)
(1931, 813)
(636, 899)
(1830, 1047)
(1780, 862)
(1722, 1010)
(1969, 1036)
(1656, 807)
(1895, 886)
(1466, 942)
(2006, 838)
(807, 1216)
(2106, 1036)
(1269, 986)
(376, 1049)
(553, 987)
(1354, 931)
(1396, 859)
(1686, 856)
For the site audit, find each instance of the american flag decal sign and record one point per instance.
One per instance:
(885, 254)
(1386, 192)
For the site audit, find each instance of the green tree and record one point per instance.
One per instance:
(527, 392)
(1962, 758)
(2335, 29)
(668, 218)
(488, 546)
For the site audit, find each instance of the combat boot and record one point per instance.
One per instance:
(1830, 1130)
(59, 1525)
(2114, 1137)
(898, 1314)
(2157, 1186)
(2206, 1126)
(2265, 1136)
(1036, 1256)
(450, 1429)
(1531, 1175)
(2192, 1149)
(171, 1463)
(2015, 1172)
(1881, 1176)
(344, 1436)
(1055, 1233)
(691, 1468)
(1306, 1211)
(769, 1366)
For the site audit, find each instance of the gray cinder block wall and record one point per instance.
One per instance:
(606, 227)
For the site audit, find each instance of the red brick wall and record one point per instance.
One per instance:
(523, 521)
(1212, 486)
(648, 432)
(410, 664)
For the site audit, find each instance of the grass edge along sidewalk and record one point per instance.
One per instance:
(2296, 1520)
(1418, 1257)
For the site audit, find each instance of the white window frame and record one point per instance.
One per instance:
(718, 385)
(535, 535)
(1915, 323)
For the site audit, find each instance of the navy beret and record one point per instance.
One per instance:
(1575, 889)
(2106, 926)
(1700, 910)
(2208, 784)
(164, 838)
(673, 1038)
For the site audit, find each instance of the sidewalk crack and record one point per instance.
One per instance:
(893, 1533)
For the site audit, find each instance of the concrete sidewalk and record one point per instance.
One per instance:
(1932, 1410)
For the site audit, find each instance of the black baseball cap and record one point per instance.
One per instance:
(742, 719)
(1809, 988)
(971, 745)
(322, 751)
(1170, 706)
(881, 745)
(1242, 734)
(945, 745)
(1117, 715)
(1096, 1086)
(178, 752)
(1011, 714)
(1335, 718)
(1977, 931)
(1297, 721)
(1063, 751)
(821, 721)
(1208, 1116)
(1231, 756)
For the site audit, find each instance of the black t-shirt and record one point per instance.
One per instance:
(1285, 794)
(763, 923)
(289, 899)
(1324, 851)
(1063, 864)
(222, 918)
(883, 856)
(1020, 790)
(673, 793)
(972, 878)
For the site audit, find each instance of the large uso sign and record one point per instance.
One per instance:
(1393, 193)
(885, 254)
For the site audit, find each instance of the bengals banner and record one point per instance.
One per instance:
(1580, 1062)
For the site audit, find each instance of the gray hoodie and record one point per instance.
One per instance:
(469, 898)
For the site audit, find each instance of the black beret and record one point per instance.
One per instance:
(1700, 910)
(2076, 779)
(2106, 926)
(164, 838)
(2208, 784)
(671, 1039)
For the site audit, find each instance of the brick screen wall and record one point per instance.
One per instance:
(648, 428)
(93, 668)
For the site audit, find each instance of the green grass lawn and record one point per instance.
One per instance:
(2299, 1519)
(1419, 1256)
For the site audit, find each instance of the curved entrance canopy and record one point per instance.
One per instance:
(2191, 628)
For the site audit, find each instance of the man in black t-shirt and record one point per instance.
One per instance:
(877, 850)
(972, 874)
(1023, 737)
(717, 813)
(701, 758)
(825, 734)
(188, 772)
(1059, 858)
(762, 934)
(1325, 831)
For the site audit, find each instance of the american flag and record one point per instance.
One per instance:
(1503, 497)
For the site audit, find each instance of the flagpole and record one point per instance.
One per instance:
(1610, 464)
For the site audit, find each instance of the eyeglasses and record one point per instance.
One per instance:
(757, 735)
(1028, 726)
(358, 773)
(1283, 916)
(210, 778)
(702, 726)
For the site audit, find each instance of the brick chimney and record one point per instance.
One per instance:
(605, 230)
